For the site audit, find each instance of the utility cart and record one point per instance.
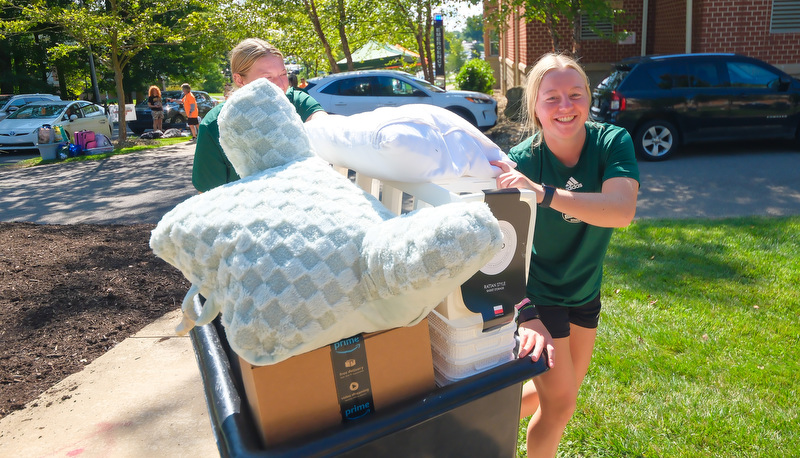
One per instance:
(474, 415)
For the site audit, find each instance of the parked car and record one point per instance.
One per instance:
(18, 132)
(356, 92)
(11, 103)
(669, 101)
(174, 115)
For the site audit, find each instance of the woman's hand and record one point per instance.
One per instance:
(511, 178)
(533, 339)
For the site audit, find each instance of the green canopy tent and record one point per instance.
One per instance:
(379, 55)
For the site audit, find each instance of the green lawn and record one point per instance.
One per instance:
(698, 346)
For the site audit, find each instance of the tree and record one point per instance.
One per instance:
(116, 30)
(455, 54)
(473, 31)
(552, 12)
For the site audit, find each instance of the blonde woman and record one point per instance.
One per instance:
(586, 180)
(156, 106)
(250, 60)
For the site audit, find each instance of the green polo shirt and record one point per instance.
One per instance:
(567, 257)
(211, 167)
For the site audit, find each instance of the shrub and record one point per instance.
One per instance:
(476, 75)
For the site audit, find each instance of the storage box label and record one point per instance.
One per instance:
(500, 284)
(351, 374)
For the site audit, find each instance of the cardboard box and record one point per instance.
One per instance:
(306, 394)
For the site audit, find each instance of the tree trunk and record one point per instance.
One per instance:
(343, 35)
(311, 12)
(62, 77)
(6, 85)
(426, 39)
(576, 28)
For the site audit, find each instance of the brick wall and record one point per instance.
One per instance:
(742, 26)
(669, 28)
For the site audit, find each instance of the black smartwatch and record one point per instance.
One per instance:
(548, 196)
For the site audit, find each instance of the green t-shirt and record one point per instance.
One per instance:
(211, 167)
(567, 259)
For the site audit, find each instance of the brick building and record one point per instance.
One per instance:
(765, 29)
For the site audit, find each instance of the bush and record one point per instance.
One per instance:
(476, 75)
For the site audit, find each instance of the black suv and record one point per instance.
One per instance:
(174, 115)
(667, 101)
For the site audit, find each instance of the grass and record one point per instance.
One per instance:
(698, 349)
(126, 149)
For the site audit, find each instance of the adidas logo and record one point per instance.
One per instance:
(572, 184)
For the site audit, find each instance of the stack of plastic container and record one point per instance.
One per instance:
(461, 348)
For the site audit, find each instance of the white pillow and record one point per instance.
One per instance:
(411, 143)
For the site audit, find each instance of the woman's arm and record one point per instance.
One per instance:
(614, 206)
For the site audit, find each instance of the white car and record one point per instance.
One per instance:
(11, 103)
(356, 92)
(19, 131)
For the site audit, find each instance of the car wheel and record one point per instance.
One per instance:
(464, 113)
(656, 140)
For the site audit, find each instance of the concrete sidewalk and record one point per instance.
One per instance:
(142, 398)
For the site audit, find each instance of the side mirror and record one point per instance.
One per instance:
(73, 117)
(784, 82)
(12, 109)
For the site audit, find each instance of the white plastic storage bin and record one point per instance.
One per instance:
(464, 338)
(461, 348)
(448, 370)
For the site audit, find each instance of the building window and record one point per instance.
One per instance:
(595, 31)
(785, 16)
(494, 43)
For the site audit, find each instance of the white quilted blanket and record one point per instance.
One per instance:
(295, 256)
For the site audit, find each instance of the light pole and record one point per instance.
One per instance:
(94, 76)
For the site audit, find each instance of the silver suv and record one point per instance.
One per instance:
(12, 103)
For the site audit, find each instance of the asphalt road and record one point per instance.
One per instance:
(709, 181)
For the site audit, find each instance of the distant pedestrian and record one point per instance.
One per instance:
(190, 107)
(156, 107)
(293, 80)
(303, 83)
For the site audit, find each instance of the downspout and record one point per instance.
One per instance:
(516, 48)
(644, 26)
(688, 26)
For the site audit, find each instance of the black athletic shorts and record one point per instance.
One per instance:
(192, 122)
(557, 319)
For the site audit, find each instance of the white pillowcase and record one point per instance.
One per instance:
(411, 143)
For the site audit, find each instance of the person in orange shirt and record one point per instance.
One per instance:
(190, 107)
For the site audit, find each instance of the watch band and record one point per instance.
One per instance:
(548, 196)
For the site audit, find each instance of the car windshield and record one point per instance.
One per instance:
(427, 85)
(37, 112)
